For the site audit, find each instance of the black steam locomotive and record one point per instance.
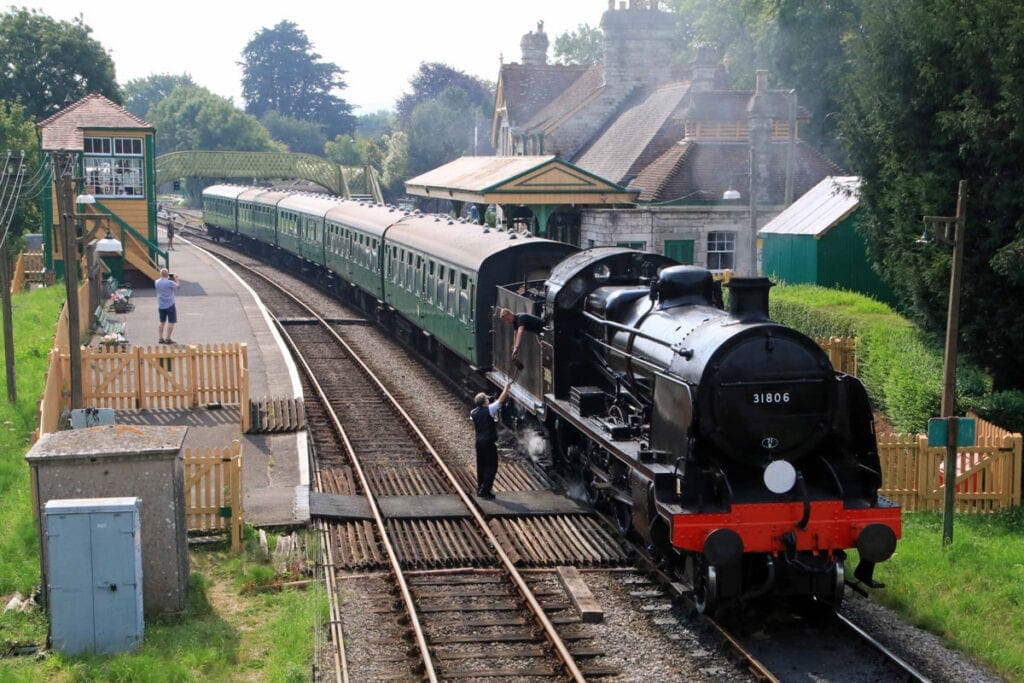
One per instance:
(726, 441)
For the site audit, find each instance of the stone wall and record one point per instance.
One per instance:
(654, 225)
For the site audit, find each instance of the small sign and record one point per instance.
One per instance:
(965, 431)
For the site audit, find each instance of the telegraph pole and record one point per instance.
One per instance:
(5, 281)
(69, 250)
(954, 232)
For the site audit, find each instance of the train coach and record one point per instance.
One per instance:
(431, 278)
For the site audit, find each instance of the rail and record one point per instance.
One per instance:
(507, 563)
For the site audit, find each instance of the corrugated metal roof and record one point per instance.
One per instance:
(476, 174)
(823, 206)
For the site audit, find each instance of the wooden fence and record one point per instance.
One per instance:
(213, 491)
(842, 352)
(988, 475)
(152, 377)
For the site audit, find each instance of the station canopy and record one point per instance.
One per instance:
(532, 181)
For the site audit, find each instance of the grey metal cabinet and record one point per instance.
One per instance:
(94, 571)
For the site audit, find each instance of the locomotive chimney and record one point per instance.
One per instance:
(748, 298)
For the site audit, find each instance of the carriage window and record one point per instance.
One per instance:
(464, 296)
(441, 289)
(452, 296)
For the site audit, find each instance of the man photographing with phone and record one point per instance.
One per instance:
(166, 287)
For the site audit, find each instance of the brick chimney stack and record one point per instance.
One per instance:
(535, 46)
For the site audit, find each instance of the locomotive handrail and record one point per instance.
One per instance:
(633, 330)
(624, 354)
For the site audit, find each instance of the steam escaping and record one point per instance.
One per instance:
(534, 445)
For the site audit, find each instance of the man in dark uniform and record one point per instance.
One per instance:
(520, 322)
(484, 422)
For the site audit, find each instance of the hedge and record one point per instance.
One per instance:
(900, 368)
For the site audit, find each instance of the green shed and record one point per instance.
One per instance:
(816, 241)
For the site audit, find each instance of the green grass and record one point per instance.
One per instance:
(970, 593)
(226, 634)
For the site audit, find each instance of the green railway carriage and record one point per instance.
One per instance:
(257, 213)
(354, 234)
(300, 225)
(220, 207)
(443, 276)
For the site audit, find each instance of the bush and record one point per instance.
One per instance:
(900, 368)
(1004, 408)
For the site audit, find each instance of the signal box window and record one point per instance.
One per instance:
(113, 167)
(721, 250)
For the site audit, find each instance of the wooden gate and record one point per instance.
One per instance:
(213, 491)
(988, 475)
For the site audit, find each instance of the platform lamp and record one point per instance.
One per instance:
(950, 229)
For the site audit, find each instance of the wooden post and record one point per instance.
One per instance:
(957, 224)
(5, 281)
(62, 163)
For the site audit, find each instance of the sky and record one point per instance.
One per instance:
(379, 44)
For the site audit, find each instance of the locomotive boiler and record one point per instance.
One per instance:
(727, 442)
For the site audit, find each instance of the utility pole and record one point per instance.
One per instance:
(63, 163)
(5, 281)
(954, 232)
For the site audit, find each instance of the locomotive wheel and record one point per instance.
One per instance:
(705, 589)
(838, 585)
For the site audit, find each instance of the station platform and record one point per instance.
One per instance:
(214, 305)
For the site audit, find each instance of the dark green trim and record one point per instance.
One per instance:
(150, 152)
(46, 215)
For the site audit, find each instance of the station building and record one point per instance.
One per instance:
(708, 164)
(109, 154)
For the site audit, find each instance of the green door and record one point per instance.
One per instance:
(680, 250)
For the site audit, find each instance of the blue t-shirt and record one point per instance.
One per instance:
(165, 287)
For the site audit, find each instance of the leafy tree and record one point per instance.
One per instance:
(432, 79)
(296, 135)
(345, 151)
(282, 73)
(140, 94)
(935, 96)
(374, 125)
(17, 135)
(396, 160)
(44, 62)
(192, 117)
(440, 130)
(585, 45)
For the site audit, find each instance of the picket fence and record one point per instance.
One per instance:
(988, 475)
(213, 491)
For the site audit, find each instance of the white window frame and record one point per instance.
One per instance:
(110, 170)
(721, 250)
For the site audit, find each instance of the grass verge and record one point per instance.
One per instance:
(968, 593)
(227, 633)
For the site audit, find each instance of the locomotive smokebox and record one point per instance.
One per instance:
(748, 298)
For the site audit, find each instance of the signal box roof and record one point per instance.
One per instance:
(65, 129)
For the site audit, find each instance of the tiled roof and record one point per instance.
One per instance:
(528, 88)
(819, 210)
(732, 105)
(63, 130)
(583, 89)
(707, 169)
(638, 136)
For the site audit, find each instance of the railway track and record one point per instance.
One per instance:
(390, 504)
(475, 629)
